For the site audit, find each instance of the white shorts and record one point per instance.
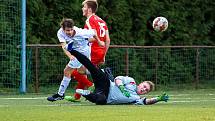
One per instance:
(75, 63)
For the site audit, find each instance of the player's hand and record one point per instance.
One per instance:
(124, 91)
(163, 97)
(101, 43)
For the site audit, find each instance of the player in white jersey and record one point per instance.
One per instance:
(123, 89)
(78, 40)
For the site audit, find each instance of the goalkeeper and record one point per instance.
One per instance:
(123, 89)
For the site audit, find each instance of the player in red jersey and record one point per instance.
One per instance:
(98, 50)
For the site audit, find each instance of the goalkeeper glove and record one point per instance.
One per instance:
(163, 97)
(124, 91)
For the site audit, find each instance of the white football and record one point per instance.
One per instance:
(160, 24)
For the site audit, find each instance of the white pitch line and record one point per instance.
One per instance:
(188, 95)
(189, 98)
(23, 98)
(190, 101)
(54, 105)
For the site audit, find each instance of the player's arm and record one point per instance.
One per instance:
(91, 24)
(107, 41)
(63, 44)
(96, 38)
(120, 85)
(149, 101)
(101, 43)
(91, 34)
(107, 44)
(92, 39)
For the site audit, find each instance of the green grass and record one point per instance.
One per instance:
(195, 105)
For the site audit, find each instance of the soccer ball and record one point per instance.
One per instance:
(160, 24)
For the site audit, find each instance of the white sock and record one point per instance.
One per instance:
(64, 84)
(87, 72)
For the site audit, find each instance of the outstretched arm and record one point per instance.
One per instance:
(96, 38)
(162, 97)
(150, 101)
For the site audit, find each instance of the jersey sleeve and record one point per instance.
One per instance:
(60, 36)
(125, 79)
(85, 33)
(119, 78)
(140, 101)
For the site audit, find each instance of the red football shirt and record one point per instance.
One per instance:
(95, 22)
(97, 52)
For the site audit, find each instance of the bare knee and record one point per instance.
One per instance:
(82, 70)
(68, 71)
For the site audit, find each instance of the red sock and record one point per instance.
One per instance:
(81, 78)
(79, 86)
(82, 82)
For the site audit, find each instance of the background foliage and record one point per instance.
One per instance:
(9, 39)
(190, 22)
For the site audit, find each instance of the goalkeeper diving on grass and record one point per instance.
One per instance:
(119, 90)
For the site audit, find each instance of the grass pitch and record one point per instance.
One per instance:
(183, 106)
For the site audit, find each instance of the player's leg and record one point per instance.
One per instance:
(96, 73)
(82, 80)
(78, 86)
(100, 79)
(98, 98)
(63, 86)
(81, 77)
(76, 97)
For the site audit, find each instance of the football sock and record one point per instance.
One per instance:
(79, 86)
(64, 84)
(81, 78)
(87, 72)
